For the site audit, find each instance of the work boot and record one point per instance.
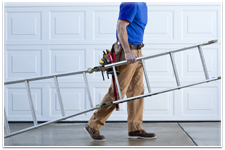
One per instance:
(141, 134)
(94, 134)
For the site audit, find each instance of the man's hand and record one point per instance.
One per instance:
(130, 57)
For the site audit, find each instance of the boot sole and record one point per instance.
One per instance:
(139, 137)
(91, 137)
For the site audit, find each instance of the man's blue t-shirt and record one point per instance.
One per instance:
(137, 14)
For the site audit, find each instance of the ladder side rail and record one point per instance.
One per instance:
(165, 90)
(110, 65)
(161, 54)
(88, 90)
(117, 82)
(174, 69)
(46, 77)
(6, 123)
(31, 103)
(146, 76)
(203, 62)
(59, 95)
(147, 57)
(111, 103)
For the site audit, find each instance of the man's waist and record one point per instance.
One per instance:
(132, 46)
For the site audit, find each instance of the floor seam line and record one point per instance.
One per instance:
(187, 134)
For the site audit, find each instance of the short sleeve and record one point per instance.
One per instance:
(128, 11)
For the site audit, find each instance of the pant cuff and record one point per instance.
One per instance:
(134, 126)
(95, 126)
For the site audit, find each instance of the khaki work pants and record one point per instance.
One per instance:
(131, 84)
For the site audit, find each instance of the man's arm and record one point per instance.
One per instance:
(123, 38)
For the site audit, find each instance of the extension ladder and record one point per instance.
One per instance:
(101, 68)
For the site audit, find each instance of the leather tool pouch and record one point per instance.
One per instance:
(117, 49)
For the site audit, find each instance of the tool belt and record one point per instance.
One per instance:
(132, 46)
(114, 55)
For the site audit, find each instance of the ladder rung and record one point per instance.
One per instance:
(59, 96)
(117, 83)
(174, 69)
(146, 76)
(203, 62)
(88, 90)
(6, 123)
(31, 103)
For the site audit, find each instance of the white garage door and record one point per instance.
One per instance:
(49, 38)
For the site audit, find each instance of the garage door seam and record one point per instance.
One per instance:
(187, 134)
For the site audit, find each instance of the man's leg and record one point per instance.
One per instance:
(135, 107)
(102, 114)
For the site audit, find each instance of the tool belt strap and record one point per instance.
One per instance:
(132, 46)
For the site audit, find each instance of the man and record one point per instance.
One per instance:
(130, 30)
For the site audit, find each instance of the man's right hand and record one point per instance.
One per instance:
(130, 56)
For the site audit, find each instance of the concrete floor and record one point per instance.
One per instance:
(73, 134)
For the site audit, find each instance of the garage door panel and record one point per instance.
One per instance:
(159, 69)
(200, 101)
(67, 25)
(23, 63)
(201, 24)
(161, 26)
(159, 105)
(73, 100)
(192, 65)
(104, 26)
(24, 25)
(67, 60)
(162, 71)
(18, 106)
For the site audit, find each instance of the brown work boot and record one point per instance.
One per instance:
(141, 134)
(94, 134)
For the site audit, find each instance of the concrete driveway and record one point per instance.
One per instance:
(73, 134)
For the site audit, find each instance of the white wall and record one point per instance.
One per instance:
(49, 38)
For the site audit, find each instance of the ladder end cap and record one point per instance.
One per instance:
(213, 41)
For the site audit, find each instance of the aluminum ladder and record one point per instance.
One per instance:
(100, 68)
